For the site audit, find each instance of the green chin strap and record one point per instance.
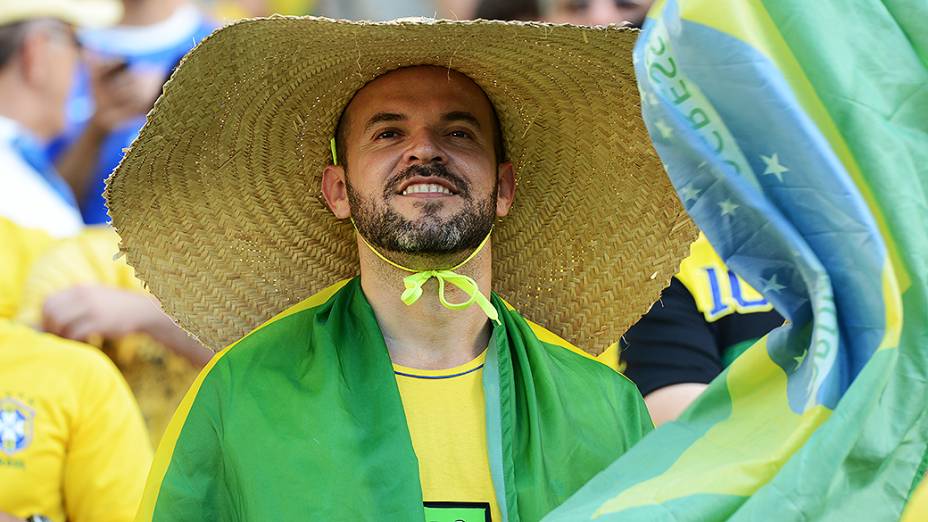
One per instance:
(417, 278)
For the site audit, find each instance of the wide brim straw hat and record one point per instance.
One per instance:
(219, 206)
(81, 13)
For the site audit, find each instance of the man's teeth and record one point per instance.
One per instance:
(421, 188)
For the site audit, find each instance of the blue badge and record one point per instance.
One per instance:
(16, 426)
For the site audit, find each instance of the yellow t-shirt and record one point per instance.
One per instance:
(446, 414)
(19, 248)
(72, 442)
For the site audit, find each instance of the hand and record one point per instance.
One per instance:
(82, 312)
(6, 517)
(120, 93)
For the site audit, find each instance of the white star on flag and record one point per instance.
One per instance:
(728, 207)
(772, 285)
(689, 193)
(773, 166)
(652, 100)
(665, 130)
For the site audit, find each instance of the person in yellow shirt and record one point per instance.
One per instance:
(76, 290)
(72, 442)
(706, 318)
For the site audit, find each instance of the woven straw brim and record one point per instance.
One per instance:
(218, 201)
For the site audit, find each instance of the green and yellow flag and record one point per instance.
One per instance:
(302, 420)
(796, 134)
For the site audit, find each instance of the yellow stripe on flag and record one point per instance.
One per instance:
(165, 451)
(755, 383)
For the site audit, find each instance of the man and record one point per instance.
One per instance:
(411, 392)
(72, 442)
(128, 64)
(598, 12)
(38, 56)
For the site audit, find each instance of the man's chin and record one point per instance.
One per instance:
(429, 259)
(428, 214)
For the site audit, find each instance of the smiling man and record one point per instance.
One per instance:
(412, 391)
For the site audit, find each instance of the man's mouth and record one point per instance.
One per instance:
(430, 189)
(427, 186)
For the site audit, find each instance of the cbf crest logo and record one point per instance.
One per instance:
(16, 426)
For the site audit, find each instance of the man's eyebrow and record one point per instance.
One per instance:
(382, 117)
(461, 116)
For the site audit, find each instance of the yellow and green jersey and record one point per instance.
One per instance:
(446, 415)
(304, 419)
(72, 442)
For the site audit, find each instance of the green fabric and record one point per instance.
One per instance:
(796, 135)
(734, 351)
(303, 420)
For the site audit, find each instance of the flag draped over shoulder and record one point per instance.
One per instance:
(796, 134)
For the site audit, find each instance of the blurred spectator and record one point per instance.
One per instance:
(235, 9)
(76, 290)
(598, 12)
(127, 66)
(578, 12)
(72, 442)
(377, 10)
(38, 57)
(706, 318)
(508, 10)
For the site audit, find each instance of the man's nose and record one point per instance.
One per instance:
(423, 148)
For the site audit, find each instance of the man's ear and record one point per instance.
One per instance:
(335, 191)
(506, 188)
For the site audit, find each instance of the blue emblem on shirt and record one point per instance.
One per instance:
(16, 426)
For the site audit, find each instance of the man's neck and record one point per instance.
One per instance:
(426, 335)
(148, 12)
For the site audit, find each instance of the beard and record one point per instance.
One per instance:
(431, 234)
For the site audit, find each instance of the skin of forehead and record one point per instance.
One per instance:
(384, 86)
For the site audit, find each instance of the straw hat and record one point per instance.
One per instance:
(82, 13)
(218, 201)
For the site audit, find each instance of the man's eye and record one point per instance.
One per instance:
(459, 134)
(387, 134)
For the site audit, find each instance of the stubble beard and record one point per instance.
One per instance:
(430, 239)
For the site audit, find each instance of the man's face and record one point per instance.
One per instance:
(422, 172)
(60, 53)
(599, 12)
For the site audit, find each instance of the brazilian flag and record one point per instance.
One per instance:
(796, 134)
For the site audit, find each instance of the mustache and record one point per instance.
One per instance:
(437, 170)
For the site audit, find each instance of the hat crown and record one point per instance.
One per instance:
(218, 201)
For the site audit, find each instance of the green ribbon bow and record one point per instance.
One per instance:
(413, 292)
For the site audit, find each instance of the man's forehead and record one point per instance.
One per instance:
(420, 86)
